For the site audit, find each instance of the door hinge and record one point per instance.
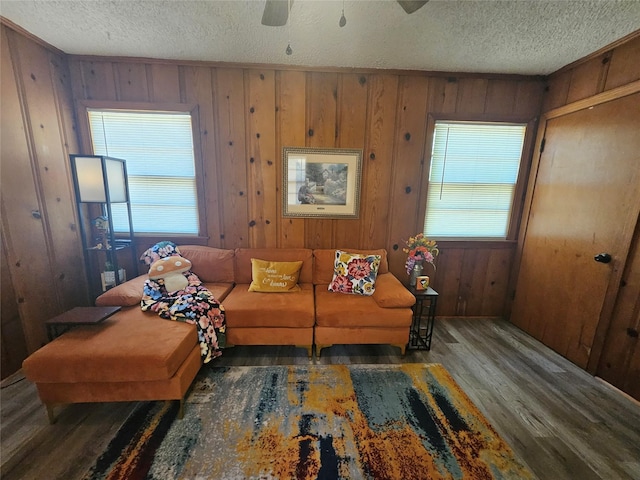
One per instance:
(542, 144)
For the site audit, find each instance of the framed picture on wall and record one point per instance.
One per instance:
(321, 182)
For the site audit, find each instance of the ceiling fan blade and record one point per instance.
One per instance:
(411, 6)
(276, 13)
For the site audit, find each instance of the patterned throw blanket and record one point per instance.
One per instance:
(193, 304)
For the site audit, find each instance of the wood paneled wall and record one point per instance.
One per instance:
(13, 347)
(619, 363)
(610, 68)
(247, 114)
(40, 239)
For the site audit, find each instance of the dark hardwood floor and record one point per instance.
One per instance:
(562, 422)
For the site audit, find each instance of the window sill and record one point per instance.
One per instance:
(474, 243)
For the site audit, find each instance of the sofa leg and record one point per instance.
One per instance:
(181, 409)
(319, 348)
(50, 414)
(403, 348)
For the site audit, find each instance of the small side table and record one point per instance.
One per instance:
(77, 316)
(424, 317)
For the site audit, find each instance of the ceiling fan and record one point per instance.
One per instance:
(276, 12)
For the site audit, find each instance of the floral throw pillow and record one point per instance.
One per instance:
(354, 274)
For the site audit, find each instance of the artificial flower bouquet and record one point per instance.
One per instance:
(420, 249)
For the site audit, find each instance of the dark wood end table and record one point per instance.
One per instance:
(77, 316)
(424, 317)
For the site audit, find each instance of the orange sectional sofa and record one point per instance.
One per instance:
(135, 355)
(302, 318)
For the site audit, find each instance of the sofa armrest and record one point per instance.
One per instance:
(126, 294)
(390, 293)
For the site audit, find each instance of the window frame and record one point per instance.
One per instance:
(517, 206)
(190, 108)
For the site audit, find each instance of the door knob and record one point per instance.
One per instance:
(602, 258)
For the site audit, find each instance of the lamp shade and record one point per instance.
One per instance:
(94, 176)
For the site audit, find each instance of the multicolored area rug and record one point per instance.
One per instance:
(329, 422)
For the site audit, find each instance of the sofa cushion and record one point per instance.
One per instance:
(256, 309)
(356, 311)
(219, 290)
(131, 345)
(243, 258)
(354, 274)
(323, 264)
(269, 276)
(210, 264)
(126, 294)
(301, 336)
(390, 293)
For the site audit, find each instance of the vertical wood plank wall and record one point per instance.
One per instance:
(246, 115)
(596, 74)
(250, 113)
(39, 234)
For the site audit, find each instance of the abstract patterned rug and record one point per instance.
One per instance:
(332, 422)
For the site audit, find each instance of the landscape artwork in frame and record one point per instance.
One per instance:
(322, 183)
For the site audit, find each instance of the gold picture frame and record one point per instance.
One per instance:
(321, 182)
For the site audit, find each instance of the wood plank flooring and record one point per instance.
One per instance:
(562, 422)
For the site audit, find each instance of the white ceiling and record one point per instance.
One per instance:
(490, 36)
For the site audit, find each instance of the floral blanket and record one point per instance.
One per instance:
(194, 304)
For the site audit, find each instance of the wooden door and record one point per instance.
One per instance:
(619, 363)
(585, 202)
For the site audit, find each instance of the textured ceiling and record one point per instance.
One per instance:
(515, 36)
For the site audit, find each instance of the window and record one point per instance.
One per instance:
(474, 170)
(158, 149)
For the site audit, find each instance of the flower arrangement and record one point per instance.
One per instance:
(420, 249)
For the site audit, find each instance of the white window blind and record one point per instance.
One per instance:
(474, 169)
(158, 149)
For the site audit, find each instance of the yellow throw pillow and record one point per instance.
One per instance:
(269, 276)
